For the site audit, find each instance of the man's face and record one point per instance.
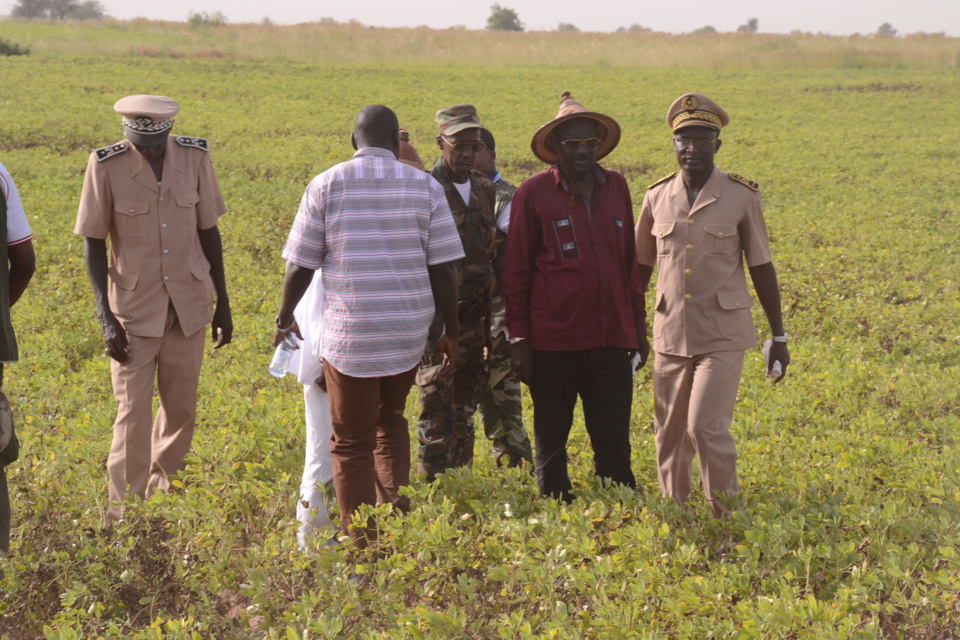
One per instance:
(695, 147)
(459, 152)
(577, 142)
(484, 161)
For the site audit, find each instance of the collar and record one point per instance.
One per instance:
(599, 174)
(374, 151)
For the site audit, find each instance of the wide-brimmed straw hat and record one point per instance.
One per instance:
(543, 140)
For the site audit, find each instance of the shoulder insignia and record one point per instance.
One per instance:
(196, 143)
(750, 184)
(113, 150)
(662, 180)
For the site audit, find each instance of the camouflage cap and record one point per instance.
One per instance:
(456, 118)
(696, 110)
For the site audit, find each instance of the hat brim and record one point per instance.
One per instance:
(542, 143)
(144, 139)
(457, 128)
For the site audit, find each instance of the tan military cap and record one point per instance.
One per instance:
(147, 119)
(696, 110)
(457, 118)
(543, 142)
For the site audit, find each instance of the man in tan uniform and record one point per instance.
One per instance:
(699, 226)
(157, 199)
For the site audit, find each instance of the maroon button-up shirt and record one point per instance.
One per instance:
(571, 281)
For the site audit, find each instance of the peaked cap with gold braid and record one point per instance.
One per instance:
(696, 110)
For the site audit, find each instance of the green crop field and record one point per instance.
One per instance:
(850, 524)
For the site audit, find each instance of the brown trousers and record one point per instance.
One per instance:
(694, 398)
(147, 451)
(370, 445)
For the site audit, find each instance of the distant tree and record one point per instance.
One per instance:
(706, 29)
(566, 26)
(750, 27)
(60, 9)
(267, 22)
(204, 19)
(639, 28)
(886, 30)
(30, 9)
(89, 10)
(503, 19)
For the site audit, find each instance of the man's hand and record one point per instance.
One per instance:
(115, 339)
(520, 360)
(221, 329)
(321, 380)
(446, 354)
(280, 334)
(644, 352)
(779, 351)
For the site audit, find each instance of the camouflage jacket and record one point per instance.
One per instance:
(505, 192)
(477, 227)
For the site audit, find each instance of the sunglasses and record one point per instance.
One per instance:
(573, 144)
(463, 147)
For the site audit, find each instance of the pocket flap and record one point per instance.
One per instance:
(188, 198)
(662, 229)
(200, 269)
(126, 280)
(130, 207)
(732, 300)
(720, 230)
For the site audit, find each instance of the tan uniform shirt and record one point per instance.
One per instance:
(702, 302)
(155, 253)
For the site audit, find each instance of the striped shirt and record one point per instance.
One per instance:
(374, 224)
(18, 229)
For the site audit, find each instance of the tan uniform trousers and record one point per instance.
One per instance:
(694, 398)
(146, 452)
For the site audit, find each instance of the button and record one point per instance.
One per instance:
(166, 277)
(687, 296)
(720, 234)
(689, 247)
(688, 271)
(661, 234)
(161, 199)
(166, 251)
(689, 221)
(163, 225)
(738, 304)
(131, 211)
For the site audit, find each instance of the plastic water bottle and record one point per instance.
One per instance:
(281, 357)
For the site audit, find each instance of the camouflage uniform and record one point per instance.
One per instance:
(445, 430)
(500, 405)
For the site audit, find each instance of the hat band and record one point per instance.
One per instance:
(700, 116)
(147, 127)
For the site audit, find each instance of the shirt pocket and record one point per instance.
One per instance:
(187, 208)
(566, 237)
(722, 239)
(131, 217)
(664, 233)
(736, 320)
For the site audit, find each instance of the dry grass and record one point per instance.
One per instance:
(332, 42)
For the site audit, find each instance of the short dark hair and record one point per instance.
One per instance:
(488, 140)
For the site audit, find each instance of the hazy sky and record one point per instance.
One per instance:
(837, 17)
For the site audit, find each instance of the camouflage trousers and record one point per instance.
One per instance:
(445, 430)
(501, 409)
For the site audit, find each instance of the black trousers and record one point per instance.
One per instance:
(7, 456)
(603, 379)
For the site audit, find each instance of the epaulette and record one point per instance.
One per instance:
(196, 143)
(662, 180)
(113, 150)
(749, 184)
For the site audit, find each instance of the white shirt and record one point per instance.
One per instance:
(18, 229)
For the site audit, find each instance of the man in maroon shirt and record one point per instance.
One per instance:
(574, 301)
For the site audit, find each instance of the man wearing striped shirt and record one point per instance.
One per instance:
(385, 238)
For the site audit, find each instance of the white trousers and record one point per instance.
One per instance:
(316, 486)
